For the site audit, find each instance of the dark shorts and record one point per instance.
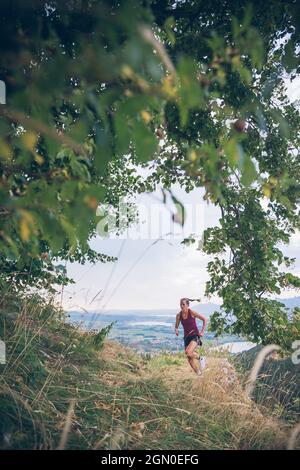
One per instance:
(190, 338)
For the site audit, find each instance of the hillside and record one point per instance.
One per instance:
(277, 385)
(121, 399)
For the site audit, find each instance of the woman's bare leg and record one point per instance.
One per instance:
(193, 356)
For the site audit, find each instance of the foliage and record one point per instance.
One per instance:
(242, 145)
(277, 386)
(99, 337)
(194, 90)
(59, 131)
(252, 271)
(109, 75)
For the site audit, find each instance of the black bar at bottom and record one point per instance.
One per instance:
(135, 458)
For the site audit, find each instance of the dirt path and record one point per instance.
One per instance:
(217, 370)
(217, 395)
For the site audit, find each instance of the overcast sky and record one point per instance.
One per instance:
(153, 274)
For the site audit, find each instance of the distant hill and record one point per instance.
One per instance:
(206, 308)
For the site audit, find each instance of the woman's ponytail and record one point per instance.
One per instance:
(187, 300)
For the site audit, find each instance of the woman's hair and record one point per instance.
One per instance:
(187, 300)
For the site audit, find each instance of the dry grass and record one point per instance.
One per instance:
(251, 382)
(123, 401)
(218, 398)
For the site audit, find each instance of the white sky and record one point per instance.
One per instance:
(145, 277)
(150, 277)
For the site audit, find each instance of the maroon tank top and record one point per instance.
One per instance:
(189, 324)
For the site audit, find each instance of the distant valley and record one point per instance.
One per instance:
(151, 330)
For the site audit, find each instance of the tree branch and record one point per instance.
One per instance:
(41, 128)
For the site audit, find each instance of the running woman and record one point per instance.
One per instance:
(192, 335)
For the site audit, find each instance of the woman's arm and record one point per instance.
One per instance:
(201, 317)
(177, 323)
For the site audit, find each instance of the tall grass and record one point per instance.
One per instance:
(277, 385)
(65, 388)
(222, 415)
(45, 369)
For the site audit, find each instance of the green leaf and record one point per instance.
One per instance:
(169, 25)
(145, 142)
(190, 91)
(290, 60)
(179, 216)
(283, 124)
(104, 150)
(123, 134)
(232, 152)
(248, 171)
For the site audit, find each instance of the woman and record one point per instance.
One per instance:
(192, 335)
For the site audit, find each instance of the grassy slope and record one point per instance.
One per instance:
(278, 383)
(121, 399)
